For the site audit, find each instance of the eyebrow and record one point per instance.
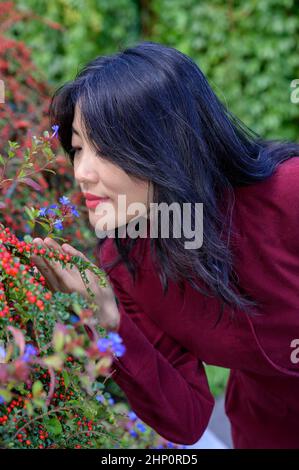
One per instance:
(75, 131)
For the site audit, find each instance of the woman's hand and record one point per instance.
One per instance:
(69, 280)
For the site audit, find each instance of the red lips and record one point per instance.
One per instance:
(93, 197)
(92, 200)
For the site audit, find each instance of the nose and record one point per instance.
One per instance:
(84, 171)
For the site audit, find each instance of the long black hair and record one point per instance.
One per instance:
(150, 110)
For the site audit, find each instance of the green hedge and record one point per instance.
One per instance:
(248, 49)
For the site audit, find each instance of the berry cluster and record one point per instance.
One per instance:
(16, 271)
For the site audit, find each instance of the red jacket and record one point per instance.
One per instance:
(167, 339)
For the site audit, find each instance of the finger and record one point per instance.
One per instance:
(50, 281)
(73, 252)
(69, 276)
(70, 250)
(92, 278)
(47, 272)
(65, 277)
(52, 244)
(44, 267)
(61, 278)
(38, 241)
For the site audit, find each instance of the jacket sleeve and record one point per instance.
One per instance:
(165, 385)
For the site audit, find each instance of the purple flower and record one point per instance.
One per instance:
(111, 401)
(58, 224)
(29, 352)
(55, 129)
(1, 400)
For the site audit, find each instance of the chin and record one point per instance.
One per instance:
(104, 228)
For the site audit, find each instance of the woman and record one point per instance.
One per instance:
(145, 124)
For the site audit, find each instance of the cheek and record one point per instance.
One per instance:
(118, 182)
(139, 192)
(113, 177)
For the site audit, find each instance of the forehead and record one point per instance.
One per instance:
(77, 117)
(77, 126)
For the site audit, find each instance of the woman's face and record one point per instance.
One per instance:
(103, 179)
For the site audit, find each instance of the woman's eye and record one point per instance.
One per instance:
(75, 150)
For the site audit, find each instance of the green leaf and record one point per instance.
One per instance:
(27, 238)
(44, 225)
(29, 409)
(58, 340)
(37, 388)
(71, 424)
(5, 394)
(54, 361)
(78, 351)
(39, 402)
(66, 378)
(53, 426)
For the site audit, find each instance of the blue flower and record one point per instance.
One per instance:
(64, 200)
(58, 224)
(115, 338)
(111, 401)
(170, 445)
(133, 433)
(55, 129)
(100, 398)
(113, 342)
(2, 354)
(103, 344)
(43, 211)
(29, 352)
(1, 400)
(119, 350)
(50, 209)
(132, 415)
(74, 318)
(141, 427)
(74, 211)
